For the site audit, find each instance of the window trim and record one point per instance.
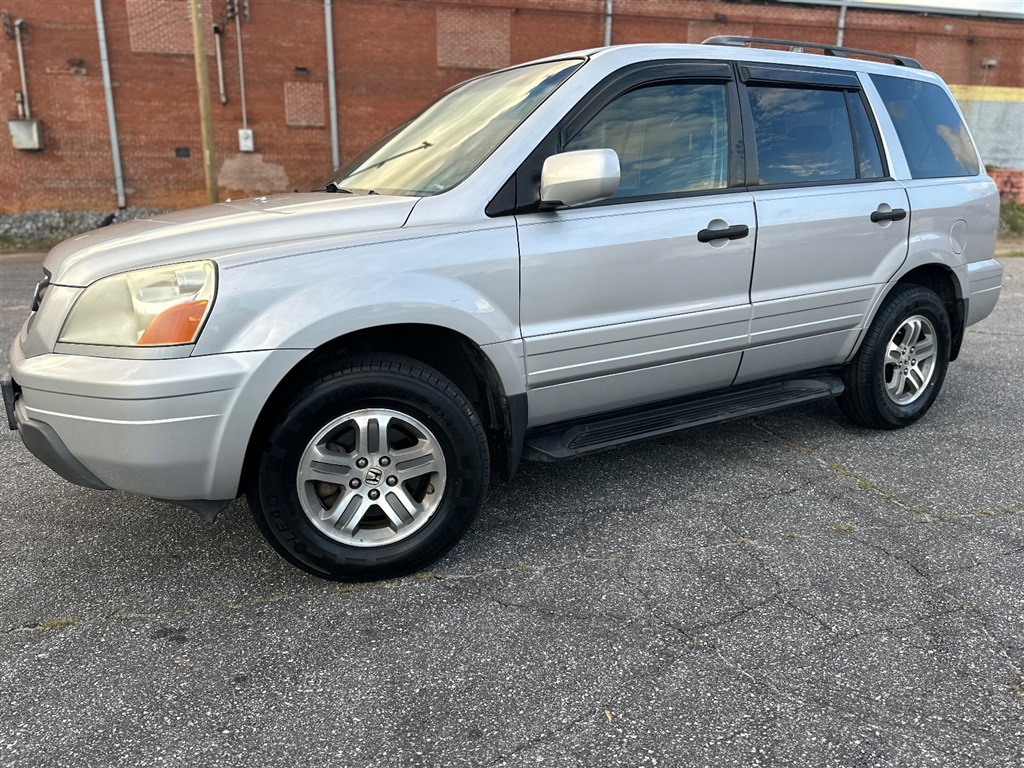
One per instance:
(774, 74)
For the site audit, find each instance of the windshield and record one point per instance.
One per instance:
(446, 142)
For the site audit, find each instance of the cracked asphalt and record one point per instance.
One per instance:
(789, 590)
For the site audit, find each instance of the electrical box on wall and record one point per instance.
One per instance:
(246, 142)
(26, 134)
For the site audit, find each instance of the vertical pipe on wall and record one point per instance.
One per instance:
(218, 32)
(332, 92)
(21, 67)
(608, 22)
(108, 93)
(241, 66)
(841, 27)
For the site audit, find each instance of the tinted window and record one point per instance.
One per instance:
(869, 159)
(934, 138)
(670, 138)
(802, 135)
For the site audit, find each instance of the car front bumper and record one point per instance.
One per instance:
(175, 429)
(43, 442)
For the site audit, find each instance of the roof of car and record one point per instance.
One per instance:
(639, 52)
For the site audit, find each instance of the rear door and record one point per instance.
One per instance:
(631, 300)
(832, 224)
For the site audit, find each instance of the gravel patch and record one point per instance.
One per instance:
(43, 229)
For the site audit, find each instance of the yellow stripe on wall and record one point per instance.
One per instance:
(987, 93)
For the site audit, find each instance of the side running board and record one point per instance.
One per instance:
(566, 441)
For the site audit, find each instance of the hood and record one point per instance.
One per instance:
(223, 232)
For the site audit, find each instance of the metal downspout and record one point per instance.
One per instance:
(108, 93)
(241, 65)
(21, 68)
(841, 27)
(218, 33)
(332, 93)
(608, 22)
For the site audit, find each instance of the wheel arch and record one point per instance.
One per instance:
(942, 281)
(877, 393)
(449, 352)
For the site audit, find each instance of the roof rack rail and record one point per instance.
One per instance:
(828, 50)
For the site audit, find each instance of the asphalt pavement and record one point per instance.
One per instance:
(789, 590)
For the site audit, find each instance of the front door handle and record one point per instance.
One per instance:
(896, 214)
(735, 232)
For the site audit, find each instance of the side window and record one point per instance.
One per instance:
(670, 138)
(934, 138)
(869, 158)
(802, 135)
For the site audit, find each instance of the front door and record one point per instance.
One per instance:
(632, 300)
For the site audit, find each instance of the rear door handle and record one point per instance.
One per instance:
(735, 232)
(896, 214)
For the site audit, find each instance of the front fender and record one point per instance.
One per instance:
(467, 282)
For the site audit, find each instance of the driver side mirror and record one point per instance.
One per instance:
(583, 176)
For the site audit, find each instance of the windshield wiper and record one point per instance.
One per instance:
(333, 187)
(378, 164)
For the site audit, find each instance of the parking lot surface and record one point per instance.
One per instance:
(789, 590)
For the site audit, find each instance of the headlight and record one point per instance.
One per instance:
(148, 307)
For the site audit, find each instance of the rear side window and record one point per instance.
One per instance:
(934, 138)
(812, 135)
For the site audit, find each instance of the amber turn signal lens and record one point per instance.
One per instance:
(176, 325)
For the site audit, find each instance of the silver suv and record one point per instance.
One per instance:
(552, 259)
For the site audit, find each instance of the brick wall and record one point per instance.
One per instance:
(1010, 182)
(161, 26)
(476, 38)
(392, 58)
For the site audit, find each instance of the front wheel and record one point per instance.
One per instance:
(375, 470)
(901, 364)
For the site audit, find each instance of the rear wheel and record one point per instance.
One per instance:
(899, 369)
(375, 470)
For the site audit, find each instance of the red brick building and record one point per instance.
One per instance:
(392, 57)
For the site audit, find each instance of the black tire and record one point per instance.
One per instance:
(871, 378)
(386, 390)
